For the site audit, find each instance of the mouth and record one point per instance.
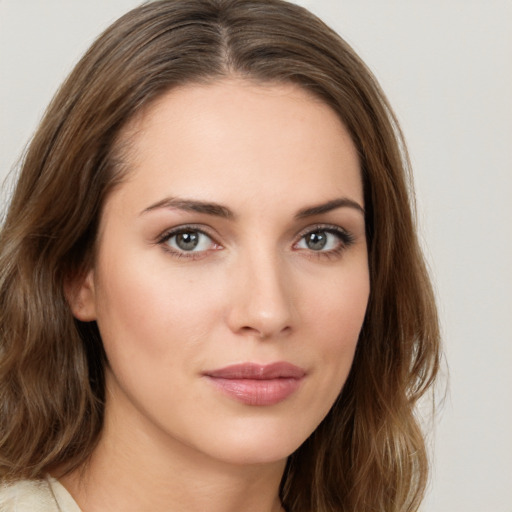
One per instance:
(257, 385)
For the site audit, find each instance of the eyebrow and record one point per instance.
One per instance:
(218, 210)
(192, 205)
(342, 202)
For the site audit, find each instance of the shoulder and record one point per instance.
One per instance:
(45, 495)
(27, 496)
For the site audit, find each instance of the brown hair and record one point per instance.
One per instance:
(369, 453)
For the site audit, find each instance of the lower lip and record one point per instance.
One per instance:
(258, 392)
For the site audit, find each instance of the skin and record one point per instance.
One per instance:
(253, 291)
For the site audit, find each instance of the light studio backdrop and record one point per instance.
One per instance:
(447, 69)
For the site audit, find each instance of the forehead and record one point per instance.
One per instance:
(237, 136)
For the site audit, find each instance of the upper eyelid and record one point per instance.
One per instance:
(323, 227)
(168, 233)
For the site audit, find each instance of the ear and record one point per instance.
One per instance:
(81, 297)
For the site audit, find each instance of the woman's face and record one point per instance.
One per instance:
(231, 278)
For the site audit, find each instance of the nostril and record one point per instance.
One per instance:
(261, 333)
(253, 331)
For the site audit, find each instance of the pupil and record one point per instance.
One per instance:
(316, 241)
(187, 241)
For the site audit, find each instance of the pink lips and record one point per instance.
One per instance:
(255, 384)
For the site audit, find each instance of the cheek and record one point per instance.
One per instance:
(147, 308)
(339, 308)
(336, 317)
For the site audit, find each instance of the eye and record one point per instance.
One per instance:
(325, 240)
(188, 240)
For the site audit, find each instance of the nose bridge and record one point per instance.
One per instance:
(262, 304)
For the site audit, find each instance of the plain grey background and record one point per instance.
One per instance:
(446, 66)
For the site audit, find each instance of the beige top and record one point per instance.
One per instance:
(46, 495)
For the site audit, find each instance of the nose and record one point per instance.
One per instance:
(261, 302)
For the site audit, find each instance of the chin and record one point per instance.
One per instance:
(257, 444)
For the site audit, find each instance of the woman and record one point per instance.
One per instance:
(212, 294)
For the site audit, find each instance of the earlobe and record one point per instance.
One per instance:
(81, 298)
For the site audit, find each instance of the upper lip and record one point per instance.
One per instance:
(278, 370)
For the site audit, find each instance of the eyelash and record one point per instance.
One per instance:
(164, 238)
(345, 238)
